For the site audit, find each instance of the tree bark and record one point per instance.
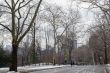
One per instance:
(106, 57)
(13, 66)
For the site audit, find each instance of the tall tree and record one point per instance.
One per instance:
(20, 25)
(52, 16)
(103, 6)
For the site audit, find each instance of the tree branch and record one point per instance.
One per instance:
(24, 20)
(6, 27)
(4, 6)
(8, 4)
(31, 23)
(22, 5)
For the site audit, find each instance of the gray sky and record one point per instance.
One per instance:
(87, 16)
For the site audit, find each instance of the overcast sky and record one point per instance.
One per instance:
(87, 16)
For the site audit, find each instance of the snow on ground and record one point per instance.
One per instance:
(31, 68)
(108, 67)
(34, 68)
(60, 69)
(75, 69)
(12, 72)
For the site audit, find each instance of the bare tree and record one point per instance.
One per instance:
(101, 31)
(104, 7)
(52, 16)
(18, 23)
(69, 22)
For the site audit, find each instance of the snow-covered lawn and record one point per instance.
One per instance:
(107, 68)
(61, 69)
(31, 68)
(34, 68)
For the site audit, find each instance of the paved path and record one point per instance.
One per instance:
(75, 69)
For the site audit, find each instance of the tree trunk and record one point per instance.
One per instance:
(70, 60)
(13, 66)
(106, 58)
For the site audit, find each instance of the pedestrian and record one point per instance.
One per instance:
(72, 63)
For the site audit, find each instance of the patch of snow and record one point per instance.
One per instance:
(108, 64)
(32, 68)
(108, 67)
(12, 72)
(37, 68)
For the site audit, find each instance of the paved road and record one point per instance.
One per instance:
(75, 69)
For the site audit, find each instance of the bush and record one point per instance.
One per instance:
(4, 59)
